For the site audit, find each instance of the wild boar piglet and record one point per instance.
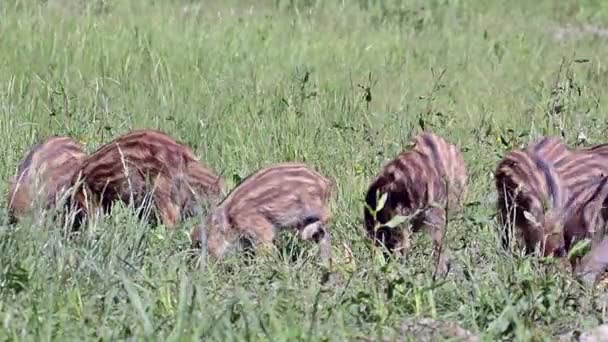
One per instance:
(146, 167)
(284, 196)
(585, 173)
(585, 216)
(551, 193)
(532, 195)
(421, 182)
(599, 150)
(43, 176)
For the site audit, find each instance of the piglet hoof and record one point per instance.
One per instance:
(442, 267)
(325, 253)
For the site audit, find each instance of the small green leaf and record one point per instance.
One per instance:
(580, 248)
(396, 220)
(237, 178)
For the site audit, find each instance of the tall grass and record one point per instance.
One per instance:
(341, 85)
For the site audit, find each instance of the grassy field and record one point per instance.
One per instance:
(341, 85)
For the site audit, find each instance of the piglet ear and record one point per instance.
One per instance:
(530, 217)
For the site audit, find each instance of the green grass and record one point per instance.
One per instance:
(228, 78)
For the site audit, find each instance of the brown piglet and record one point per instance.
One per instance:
(288, 196)
(552, 194)
(44, 176)
(585, 216)
(145, 166)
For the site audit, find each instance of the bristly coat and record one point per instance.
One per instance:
(43, 176)
(551, 193)
(422, 181)
(531, 193)
(146, 166)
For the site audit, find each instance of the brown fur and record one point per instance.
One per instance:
(43, 176)
(415, 184)
(585, 173)
(280, 196)
(144, 162)
(527, 181)
(570, 183)
(594, 263)
(586, 215)
(598, 150)
(583, 164)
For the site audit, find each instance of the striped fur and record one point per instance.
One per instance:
(43, 176)
(279, 196)
(586, 213)
(551, 149)
(586, 175)
(143, 166)
(415, 184)
(594, 263)
(574, 166)
(528, 181)
(576, 176)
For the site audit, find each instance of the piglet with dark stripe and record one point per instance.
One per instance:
(146, 166)
(421, 182)
(531, 194)
(585, 216)
(285, 196)
(43, 176)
